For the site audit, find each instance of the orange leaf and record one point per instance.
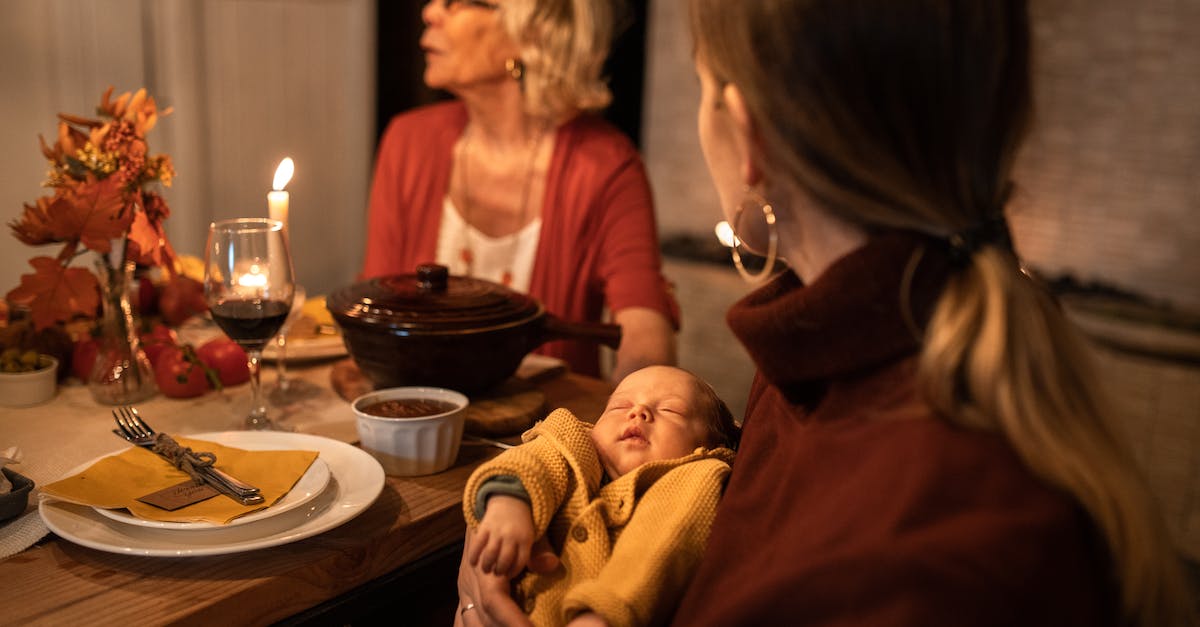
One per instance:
(104, 99)
(119, 107)
(35, 227)
(79, 120)
(66, 142)
(99, 133)
(135, 104)
(147, 238)
(93, 213)
(55, 293)
(146, 241)
(53, 154)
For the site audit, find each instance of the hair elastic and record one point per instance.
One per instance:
(991, 231)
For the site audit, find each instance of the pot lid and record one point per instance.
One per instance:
(430, 301)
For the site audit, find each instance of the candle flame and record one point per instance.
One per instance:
(725, 234)
(283, 174)
(253, 278)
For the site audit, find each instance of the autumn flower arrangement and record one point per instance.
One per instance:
(102, 178)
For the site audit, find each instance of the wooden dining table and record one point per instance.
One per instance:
(395, 560)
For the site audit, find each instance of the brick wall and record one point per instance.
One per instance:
(1108, 182)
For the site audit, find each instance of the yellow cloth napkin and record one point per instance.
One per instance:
(314, 307)
(118, 480)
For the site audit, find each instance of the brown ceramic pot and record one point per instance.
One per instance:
(461, 333)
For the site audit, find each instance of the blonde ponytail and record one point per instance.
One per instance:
(1000, 356)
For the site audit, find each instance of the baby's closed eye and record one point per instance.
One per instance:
(618, 406)
(672, 407)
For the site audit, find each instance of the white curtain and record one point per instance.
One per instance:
(250, 81)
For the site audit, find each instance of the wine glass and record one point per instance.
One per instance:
(287, 389)
(249, 288)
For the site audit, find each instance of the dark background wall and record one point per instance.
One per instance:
(400, 65)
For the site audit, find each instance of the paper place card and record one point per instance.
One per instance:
(179, 495)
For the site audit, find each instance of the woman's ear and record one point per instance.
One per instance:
(746, 135)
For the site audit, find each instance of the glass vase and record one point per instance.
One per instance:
(122, 374)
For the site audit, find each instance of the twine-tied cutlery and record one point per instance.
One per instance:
(133, 429)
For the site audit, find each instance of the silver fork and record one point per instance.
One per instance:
(134, 430)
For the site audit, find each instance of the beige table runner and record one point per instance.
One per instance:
(72, 429)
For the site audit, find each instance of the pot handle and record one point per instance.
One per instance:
(555, 328)
(432, 277)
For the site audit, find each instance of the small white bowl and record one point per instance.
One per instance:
(25, 389)
(420, 445)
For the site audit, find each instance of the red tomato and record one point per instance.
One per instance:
(158, 340)
(180, 299)
(227, 358)
(83, 357)
(177, 377)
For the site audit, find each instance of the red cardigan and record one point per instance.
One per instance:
(851, 504)
(598, 245)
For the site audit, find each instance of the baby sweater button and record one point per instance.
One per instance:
(579, 533)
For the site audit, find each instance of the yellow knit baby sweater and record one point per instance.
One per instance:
(627, 550)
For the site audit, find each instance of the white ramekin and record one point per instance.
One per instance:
(412, 446)
(24, 389)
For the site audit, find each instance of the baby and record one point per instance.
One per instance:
(626, 504)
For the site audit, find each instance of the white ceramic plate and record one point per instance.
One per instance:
(199, 330)
(356, 481)
(306, 489)
(306, 349)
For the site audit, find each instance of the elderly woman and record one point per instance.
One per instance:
(924, 442)
(517, 182)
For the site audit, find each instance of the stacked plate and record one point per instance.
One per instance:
(342, 482)
(311, 333)
(308, 348)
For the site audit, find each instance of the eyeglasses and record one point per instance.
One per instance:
(454, 5)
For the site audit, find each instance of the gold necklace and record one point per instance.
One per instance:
(466, 253)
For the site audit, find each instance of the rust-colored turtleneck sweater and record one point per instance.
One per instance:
(852, 504)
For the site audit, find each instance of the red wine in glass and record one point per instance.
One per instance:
(250, 322)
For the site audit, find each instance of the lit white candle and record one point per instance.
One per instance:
(277, 199)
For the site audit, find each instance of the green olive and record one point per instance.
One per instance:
(30, 359)
(15, 360)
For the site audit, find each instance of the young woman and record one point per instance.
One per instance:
(924, 443)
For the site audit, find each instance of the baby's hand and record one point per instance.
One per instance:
(504, 537)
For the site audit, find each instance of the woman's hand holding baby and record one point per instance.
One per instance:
(504, 537)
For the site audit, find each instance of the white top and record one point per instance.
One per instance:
(493, 255)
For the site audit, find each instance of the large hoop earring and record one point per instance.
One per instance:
(515, 68)
(754, 199)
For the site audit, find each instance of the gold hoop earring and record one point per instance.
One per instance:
(772, 238)
(515, 68)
